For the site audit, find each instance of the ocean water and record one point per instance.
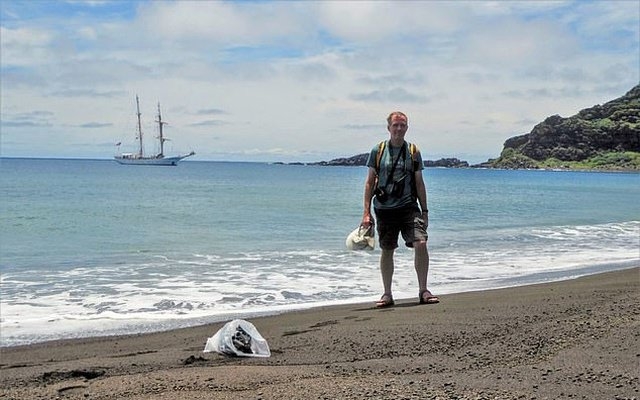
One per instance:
(91, 247)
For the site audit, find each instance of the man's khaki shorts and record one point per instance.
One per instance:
(406, 220)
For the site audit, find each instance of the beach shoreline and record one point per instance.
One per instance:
(569, 339)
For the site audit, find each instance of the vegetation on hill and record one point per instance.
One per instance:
(605, 137)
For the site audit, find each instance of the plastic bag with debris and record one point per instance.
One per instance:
(238, 338)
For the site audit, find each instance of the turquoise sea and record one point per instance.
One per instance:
(91, 247)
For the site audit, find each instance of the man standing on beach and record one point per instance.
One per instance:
(400, 202)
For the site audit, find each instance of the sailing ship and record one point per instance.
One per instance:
(140, 158)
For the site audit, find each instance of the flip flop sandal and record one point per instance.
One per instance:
(385, 301)
(429, 298)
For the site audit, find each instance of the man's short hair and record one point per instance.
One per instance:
(393, 114)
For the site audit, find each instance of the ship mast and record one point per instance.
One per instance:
(161, 137)
(140, 155)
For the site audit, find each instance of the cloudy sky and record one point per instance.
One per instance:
(304, 80)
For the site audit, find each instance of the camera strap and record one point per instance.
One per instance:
(395, 163)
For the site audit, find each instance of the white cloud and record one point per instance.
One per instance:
(24, 46)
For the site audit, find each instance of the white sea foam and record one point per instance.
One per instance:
(167, 292)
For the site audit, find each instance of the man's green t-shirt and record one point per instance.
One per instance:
(399, 186)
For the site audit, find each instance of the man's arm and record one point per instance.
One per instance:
(369, 186)
(421, 191)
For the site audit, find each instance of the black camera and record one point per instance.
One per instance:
(397, 189)
(380, 194)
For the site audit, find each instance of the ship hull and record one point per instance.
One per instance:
(166, 161)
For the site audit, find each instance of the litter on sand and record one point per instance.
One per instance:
(238, 338)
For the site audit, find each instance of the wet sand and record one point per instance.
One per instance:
(576, 339)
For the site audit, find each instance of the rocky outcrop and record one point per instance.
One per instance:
(358, 160)
(613, 127)
(447, 163)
